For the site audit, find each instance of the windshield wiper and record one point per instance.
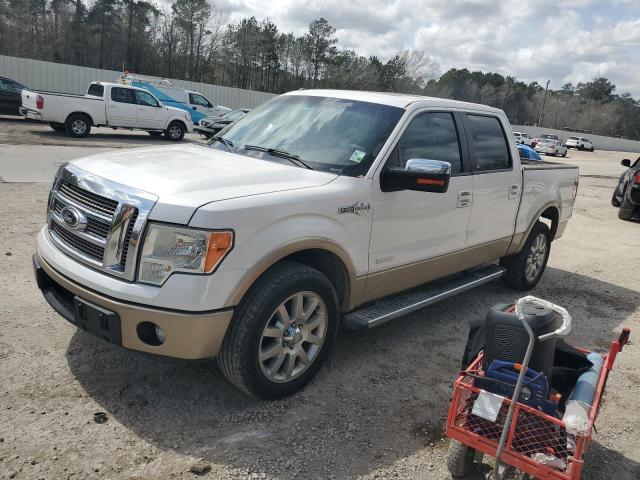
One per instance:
(292, 157)
(227, 143)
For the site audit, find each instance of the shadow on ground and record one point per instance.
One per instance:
(382, 397)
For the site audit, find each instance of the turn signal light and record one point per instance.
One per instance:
(430, 181)
(636, 177)
(219, 245)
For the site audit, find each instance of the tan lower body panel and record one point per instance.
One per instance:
(188, 335)
(397, 279)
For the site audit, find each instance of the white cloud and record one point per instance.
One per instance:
(560, 40)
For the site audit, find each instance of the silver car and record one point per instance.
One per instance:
(550, 146)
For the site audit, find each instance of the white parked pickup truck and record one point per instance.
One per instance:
(106, 105)
(318, 210)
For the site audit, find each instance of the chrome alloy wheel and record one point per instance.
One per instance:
(293, 337)
(175, 131)
(536, 258)
(79, 127)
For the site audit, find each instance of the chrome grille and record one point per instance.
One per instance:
(88, 199)
(80, 245)
(112, 219)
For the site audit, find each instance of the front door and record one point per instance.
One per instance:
(410, 227)
(123, 107)
(496, 183)
(150, 115)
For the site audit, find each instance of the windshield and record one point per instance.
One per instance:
(573, 138)
(330, 134)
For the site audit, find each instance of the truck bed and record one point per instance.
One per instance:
(544, 165)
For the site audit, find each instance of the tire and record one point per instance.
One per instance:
(155, 134)
(565, 153)
(525, 268)
(580, 147)
(260, 327)
(592, 149)
(627, 209)
(175, 131)
(78, 125)
(614, 199)
(58, 127)
(460, 459)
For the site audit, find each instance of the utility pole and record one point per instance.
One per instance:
(544, 100)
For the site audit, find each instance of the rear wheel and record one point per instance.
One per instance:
(524, 269)
(460, 459)
(78, 125)
(580, 147)
(58, 127)
(281, 333)
(592, 149)
(565, 153)
(175, 131)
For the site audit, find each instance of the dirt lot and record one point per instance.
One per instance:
(375, 411)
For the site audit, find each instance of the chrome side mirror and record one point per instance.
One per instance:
(419, 174)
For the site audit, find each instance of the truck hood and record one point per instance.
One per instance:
(185, 177)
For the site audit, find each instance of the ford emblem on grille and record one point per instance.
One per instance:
(73, 218)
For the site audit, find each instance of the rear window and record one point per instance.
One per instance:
(573, 138)
(123, 95)
(489, 142)
(96, 90)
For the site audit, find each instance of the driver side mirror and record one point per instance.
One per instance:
(626, 163)
(419, 174)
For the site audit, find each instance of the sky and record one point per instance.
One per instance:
(533, 40)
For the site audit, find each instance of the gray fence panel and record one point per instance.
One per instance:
(58, 77)
(599, 141)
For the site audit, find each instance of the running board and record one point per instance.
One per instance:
(401, 304)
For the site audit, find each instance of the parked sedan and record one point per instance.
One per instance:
(580, 143)
(550, 146)
(626, 196)
(10, 96)
(209, 126)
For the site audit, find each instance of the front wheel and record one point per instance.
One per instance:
(175, 131)
(524, 269)
(460, 459)
(627, 209)
(281, 333)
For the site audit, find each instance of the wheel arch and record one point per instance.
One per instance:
(88, 115)
(551, 213)
(323, 255)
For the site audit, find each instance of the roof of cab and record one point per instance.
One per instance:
(401, 100)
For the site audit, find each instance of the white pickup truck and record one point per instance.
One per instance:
(106, 105)
(318, 210)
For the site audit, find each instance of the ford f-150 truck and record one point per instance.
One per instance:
(106, 105)
(318, 210)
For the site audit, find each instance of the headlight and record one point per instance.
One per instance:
(168, 249)
(218, 125)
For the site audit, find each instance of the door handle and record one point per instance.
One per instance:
(514, 191)
(465, 199)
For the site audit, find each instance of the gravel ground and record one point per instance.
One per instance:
(376, 410)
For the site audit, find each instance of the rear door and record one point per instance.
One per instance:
(150, 115)
(122, 107)
(496, 181)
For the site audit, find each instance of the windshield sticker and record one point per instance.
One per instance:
(357, 156)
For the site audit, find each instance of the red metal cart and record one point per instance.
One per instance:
(530, 432)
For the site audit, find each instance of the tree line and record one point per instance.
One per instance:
(194, 40)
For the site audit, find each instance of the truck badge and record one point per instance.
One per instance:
(356, 208)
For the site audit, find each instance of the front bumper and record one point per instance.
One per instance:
(32, 114)
(189, 335)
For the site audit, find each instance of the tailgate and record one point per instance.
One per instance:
(29, 99)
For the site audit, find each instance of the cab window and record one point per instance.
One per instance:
(96, 90)
(488, 143)
(199, 100)
(430, 136)
(123, 95)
